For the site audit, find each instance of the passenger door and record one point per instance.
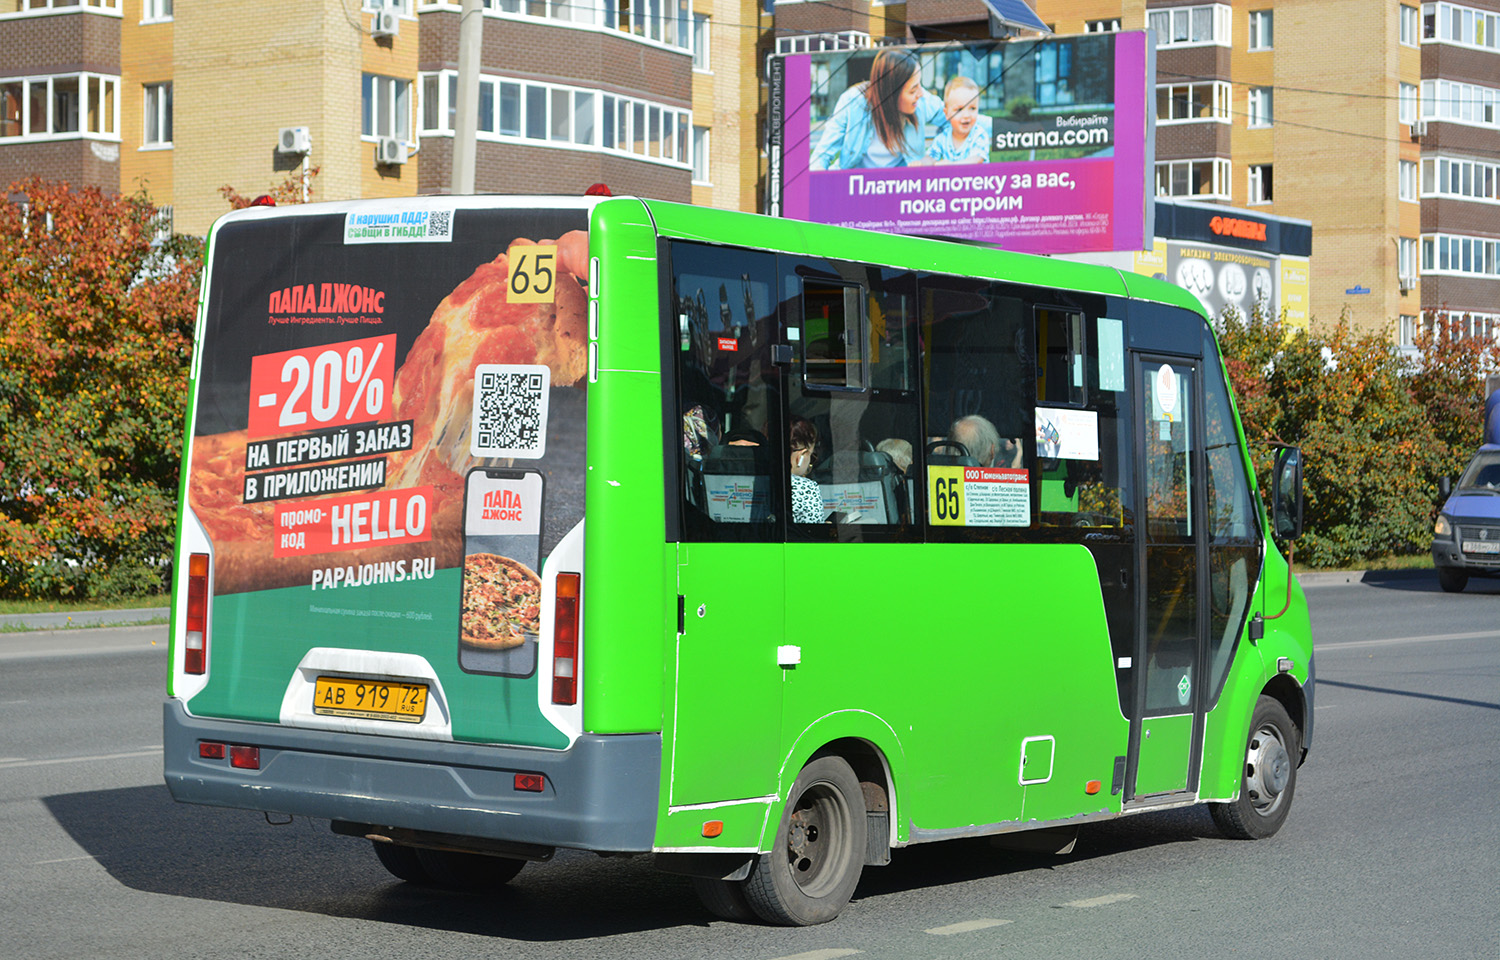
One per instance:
(1167, 721)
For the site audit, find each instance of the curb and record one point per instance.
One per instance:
(81, 618)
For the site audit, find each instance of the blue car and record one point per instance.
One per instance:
(1466, 537)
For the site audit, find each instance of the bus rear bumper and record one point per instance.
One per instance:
(599, 794)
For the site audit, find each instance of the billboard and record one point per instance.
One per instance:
(1040, 146)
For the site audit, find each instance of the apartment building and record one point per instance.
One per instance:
(357, 97)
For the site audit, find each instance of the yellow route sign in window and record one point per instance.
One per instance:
(533, 274)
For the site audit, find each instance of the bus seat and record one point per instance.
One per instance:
(862, 485)
(950, 459)
(737, 484)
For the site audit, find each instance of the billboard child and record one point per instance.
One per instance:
(968, 136)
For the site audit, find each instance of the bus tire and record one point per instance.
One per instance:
(401, 862)
(724, 899)
(1452, 580)
(818, 851)
(1269, 779)
(456, 870)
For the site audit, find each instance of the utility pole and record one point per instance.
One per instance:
(466, 110)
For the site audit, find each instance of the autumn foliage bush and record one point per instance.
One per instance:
(96, 325)
(1378, 428)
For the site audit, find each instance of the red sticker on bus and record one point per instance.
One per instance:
(729, 344)
(351, 523)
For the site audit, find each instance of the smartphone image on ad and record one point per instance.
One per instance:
(500, 613)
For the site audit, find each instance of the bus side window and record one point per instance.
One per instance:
(852, 415)
(727, 393)
(1085, 483)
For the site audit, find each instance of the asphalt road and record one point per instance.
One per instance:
(1392, 849)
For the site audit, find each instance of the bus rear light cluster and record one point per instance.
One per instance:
(241, 756)
(195, 651)
(565, 641)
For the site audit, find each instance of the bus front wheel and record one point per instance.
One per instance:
(819, 853)
(1269, 779)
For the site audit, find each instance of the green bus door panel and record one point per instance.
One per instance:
(726, 733)
(1169, 700)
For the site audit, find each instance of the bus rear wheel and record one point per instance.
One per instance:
(814, 866)
(1269, 779)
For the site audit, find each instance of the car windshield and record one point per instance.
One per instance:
(1483, 473)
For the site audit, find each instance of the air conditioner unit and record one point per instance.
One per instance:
(385, 23)
(1407, 283)
(1419, 130)
(294, 140)
(390, 151)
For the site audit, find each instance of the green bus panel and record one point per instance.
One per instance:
(961, 656)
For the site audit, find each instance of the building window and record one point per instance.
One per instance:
(1192, 26)
(1260, 183)
(1451, 23)
(1102, 26)
(1261, 29)
(1406, 262)
(50, 108)
(549, 113)
(1406, 333)
(700, 42)
(152, 10)
(700, 154)
(820, 42)
(158, 125)
(666, 22)
(1451, 253)
(41, 6)
(385, 107)
(1464, 179)
(1193, 102)
(1406, 179)
(1260, 107)
(1410, 26)
(1208, 179)
(1456, 102)
(402, 7)
(1406, 105)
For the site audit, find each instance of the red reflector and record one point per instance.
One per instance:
(1094, 786)
(565, 640)
(712, 828)
(246, 758)
(598, 190)
(531, 782)
(195, 645)
(211, 751)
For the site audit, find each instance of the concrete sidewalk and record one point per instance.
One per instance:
(71, 643)
(81, 618)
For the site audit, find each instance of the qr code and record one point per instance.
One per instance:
(440, 223)
(510, 411)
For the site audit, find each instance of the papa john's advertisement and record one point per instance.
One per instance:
(1038, 146)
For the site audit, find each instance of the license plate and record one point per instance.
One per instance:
(370, 699)
(1481, 546)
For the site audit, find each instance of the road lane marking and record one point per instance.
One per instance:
(1103, 901)
(11, 764)
(1390, 641)
(968, 926)
(827, 954)
(43, 863)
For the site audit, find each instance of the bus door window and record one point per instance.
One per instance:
(727, 392)
(979, 371)
(1169, 398)
(852, 413)
(1233, 536)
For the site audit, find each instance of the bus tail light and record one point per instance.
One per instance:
(195, 654)
(565, 641)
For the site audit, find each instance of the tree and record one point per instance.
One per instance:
(96, 321)
(289, 190)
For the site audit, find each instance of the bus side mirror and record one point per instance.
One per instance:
(1445, 487)
(1286, 494)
